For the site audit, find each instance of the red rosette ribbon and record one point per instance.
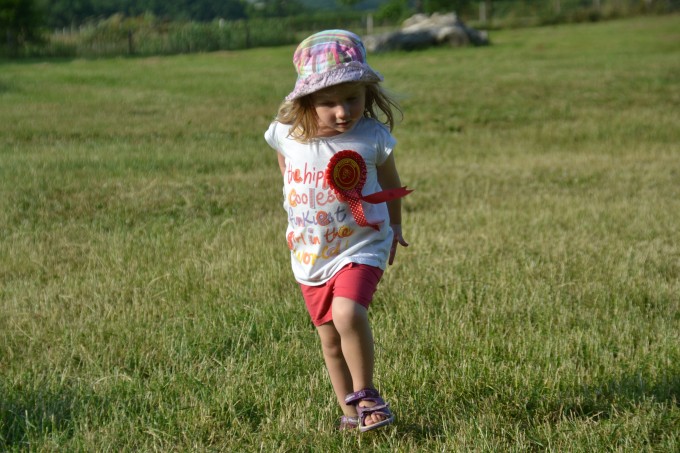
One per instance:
(346, 175)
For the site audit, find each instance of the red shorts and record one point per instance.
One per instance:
(354, 281)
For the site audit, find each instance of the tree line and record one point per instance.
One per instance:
(26, 25)
(29, 21)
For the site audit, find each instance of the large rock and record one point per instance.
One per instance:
(421, 31)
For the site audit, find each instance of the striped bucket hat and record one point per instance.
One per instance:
(329, 58)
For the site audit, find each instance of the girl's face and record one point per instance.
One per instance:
(339, 108)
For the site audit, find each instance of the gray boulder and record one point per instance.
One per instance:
(421, 31)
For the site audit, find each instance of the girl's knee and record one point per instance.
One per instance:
(348, 314)
(331, 350)
(330, 338)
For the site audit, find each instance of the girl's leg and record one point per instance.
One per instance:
(341, 379)
(350, 321)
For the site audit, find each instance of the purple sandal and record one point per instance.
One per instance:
(380, 408)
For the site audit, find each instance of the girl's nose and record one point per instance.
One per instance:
(343, 111)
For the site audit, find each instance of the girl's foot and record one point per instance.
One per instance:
(374, 418)
(373, 411)
(348, 423)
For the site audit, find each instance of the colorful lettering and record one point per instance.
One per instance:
(309, 176)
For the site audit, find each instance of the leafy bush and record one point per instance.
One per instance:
(19, 25)
(393, 11)
(148, 35)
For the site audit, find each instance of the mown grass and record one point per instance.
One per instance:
(147, 302)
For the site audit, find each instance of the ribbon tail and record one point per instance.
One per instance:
(386, 195)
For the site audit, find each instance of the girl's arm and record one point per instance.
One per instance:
(282, 163)
(388, 177)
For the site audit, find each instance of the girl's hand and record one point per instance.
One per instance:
(396, 239)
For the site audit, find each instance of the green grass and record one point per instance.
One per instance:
(146, 301)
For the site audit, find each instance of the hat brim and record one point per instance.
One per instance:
(350, 72)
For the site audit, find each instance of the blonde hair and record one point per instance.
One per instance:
(304, 123)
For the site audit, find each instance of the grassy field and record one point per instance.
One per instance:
(146, 301)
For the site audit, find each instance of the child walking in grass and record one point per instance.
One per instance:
(342, 197)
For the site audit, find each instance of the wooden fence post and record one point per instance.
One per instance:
(485, 12)
(131, 48)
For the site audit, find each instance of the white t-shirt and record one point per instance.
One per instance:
(322, 233)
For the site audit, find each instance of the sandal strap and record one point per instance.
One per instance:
(366, 411)
(346, 423)
(354, 398)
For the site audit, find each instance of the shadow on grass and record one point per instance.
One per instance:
(603, 400)
(420, 433)
(36, 60)
(27, 414)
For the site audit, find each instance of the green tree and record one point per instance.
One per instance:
(348, 3)
(20, 23)
(275, 8)
(433, 6)
(393, 11)
(64, 13)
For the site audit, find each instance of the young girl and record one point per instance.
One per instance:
(342, 196)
